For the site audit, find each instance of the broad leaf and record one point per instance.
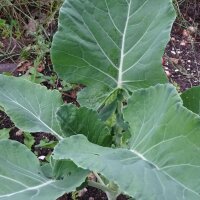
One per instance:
(135, 176)
(112, 43)
(93, 97)
(21, 176)
(75, 120)
(64, 168)
(163, 161)
(30, 106)
(191, 99)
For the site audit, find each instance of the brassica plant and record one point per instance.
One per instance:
(131, 129)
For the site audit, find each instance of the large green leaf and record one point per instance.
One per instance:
(191, 99)
(134, 175)
(31, 106)
(84, 121)
(112, 43)
(163, 161)
(21, 176)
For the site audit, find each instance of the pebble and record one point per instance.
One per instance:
(192, 29)
(173, 52)
(168, 73)
(41, 157)
(183, 43)
(179, 51)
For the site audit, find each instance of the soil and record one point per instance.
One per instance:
(181, 62)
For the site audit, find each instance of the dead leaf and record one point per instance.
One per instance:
(41, 67)
(192, 29)
(24, 66)
(186, 33)
(19, 133)
(183, 43)
(31, 27)
(82, 192)
(168, 73)
(174, 60)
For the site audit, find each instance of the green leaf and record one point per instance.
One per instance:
(21, 176)
(64, 168)
(84, 121)
(166, 134)
(191, 99)
(135, 176)
(163, 159)
(30, 106)
(93, 97)
(4, 133)
(29, 140)
(46, 144)
(112, 43)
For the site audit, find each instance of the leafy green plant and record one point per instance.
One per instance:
(191, 99)
(7, 30)
(131, 132)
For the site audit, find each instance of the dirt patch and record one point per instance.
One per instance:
(182, 55)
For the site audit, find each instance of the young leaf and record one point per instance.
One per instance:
(84, 121)
(93, 97)
(31, 106)
(112, 43)
(191, 99)
(163, 161)
(21, 176)
(29, 139)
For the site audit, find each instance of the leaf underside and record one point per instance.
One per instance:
(31, 106)
(163, 161)
(21, 176)
(112, 44)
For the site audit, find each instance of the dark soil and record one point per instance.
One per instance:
(5, 121)
(182, 55)
(92, 194)
(181, 62)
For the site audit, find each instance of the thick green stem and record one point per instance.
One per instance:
(100, 186)
(99, 178)
(111, 194)
(119, 120)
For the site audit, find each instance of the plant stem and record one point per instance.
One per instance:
(112, 195)
(119, 120)
(99, 178)
(100, 186)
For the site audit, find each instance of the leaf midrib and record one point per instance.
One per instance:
(120, 73)
(38, 118)
(29, 188)
(160, 169)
